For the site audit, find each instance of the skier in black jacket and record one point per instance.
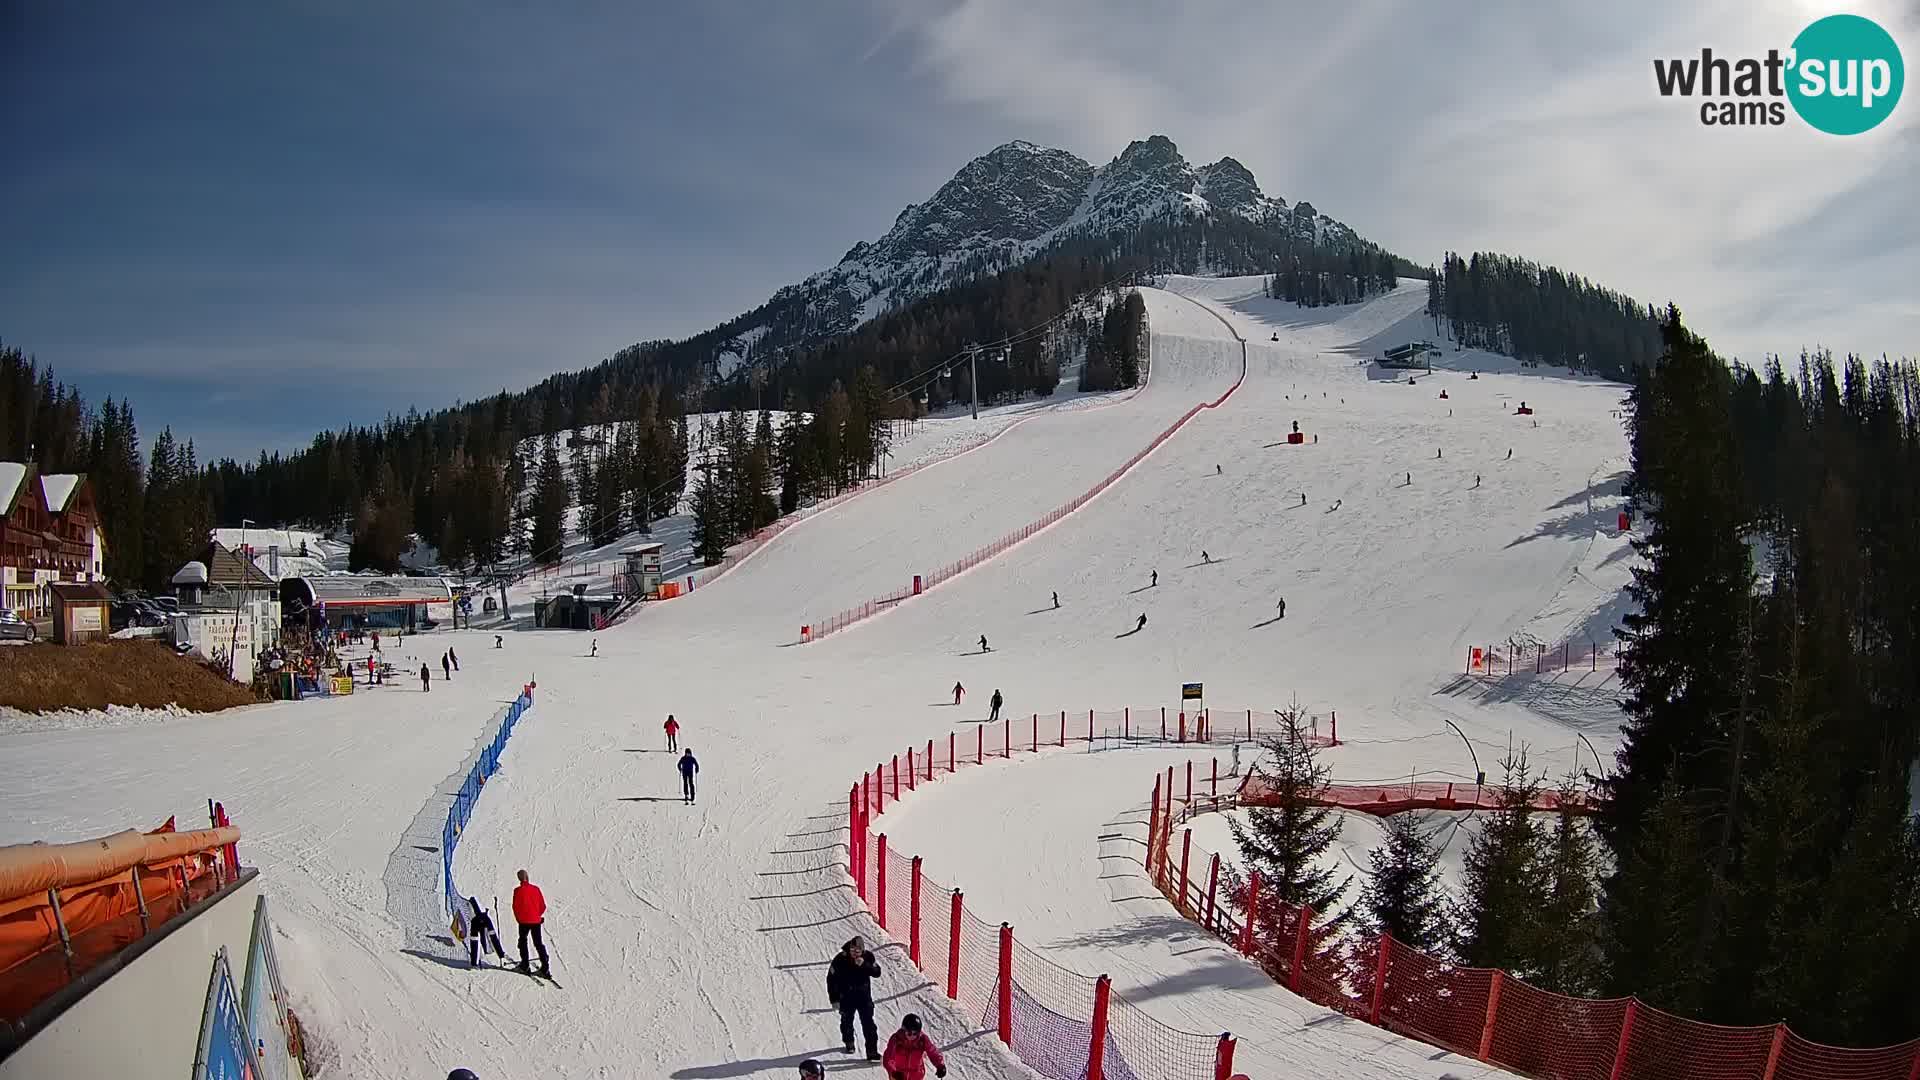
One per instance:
(850, 989)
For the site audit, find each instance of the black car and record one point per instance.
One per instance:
(16, 629)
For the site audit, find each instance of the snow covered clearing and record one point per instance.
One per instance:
(691, 941)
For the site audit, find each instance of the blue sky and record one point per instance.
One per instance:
(257, 223)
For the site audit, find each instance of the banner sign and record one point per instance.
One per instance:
(223, 1053)
(1190, 691)
(264, 1001)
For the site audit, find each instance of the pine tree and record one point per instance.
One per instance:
(1568, 948)
(1652, 953)
(710, 535)
(549, 505)
(1403, 897)
(1504, 880)
(1286, 841)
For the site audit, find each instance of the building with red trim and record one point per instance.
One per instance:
(49, 532)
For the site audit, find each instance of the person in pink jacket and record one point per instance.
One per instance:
(909, 1051)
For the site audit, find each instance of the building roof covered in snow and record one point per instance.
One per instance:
(55, 490)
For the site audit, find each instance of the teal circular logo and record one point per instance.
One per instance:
(1846, 74)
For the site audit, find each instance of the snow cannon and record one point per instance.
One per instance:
(1294, 438)
(1523, 410)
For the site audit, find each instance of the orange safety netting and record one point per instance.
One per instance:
(1484, 1013)
(101, 886)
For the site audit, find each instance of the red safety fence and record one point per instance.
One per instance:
(1381, 800)
(1543, 658)
(1480, 1013)
(1060, 1023)
(815, 630)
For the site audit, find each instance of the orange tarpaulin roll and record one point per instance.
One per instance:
(27, 869)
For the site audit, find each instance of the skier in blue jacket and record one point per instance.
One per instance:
(688, 766)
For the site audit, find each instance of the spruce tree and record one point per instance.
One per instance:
(1652, 952)
(1504, 881)
(1287, 841)
(1568, 948)
(548, 511)
(1402, 897)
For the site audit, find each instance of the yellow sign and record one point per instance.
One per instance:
(343, 684)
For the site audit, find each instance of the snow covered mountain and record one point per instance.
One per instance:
(1015, 203)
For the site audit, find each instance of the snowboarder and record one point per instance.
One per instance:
(688, 766)
(1204, 557)
(909, 1051)
(996, 701)
(1154, 581)
(958, 693)
(496, 642)
(446, 666)
(983, 644)
(453, 656)
(1283, 607)
(594, 650)
(530, 912)
(850, 989)
(426, 678)
(672, 728)
(1056, 601)
(1142, 624)
(481, 935)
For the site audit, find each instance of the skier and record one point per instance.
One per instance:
(1204, 557)
(496, 642)
(672, 728)
(909, 1051)
(595, 649)
(1409, 479)
(446, 666)
(1439, 453)
(1142, 624)
(1476, 479)
(958, 693)
(453, 656)
(996, 701)
(1283, 607)
(1218, 471)
(530, 911)
(481, 935)
(1336, 504)
(370, 671)
(426, 678)
(1154, 582)
(1056, 601)
(983, 644)
(1509, 453)
(688, 766)
(1303, 498)
(850, 989)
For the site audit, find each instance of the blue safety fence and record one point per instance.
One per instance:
(462, 809)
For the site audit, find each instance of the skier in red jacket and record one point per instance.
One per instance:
(530, 911)
(909, 1051)
(672, 727)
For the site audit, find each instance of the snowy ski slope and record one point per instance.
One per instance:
(691, 941)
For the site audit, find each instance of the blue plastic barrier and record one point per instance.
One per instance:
(462, 809)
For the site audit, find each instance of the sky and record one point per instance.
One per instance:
(259, 221)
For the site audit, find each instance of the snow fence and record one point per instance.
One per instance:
(1481, 1013)
(484, 767)
(1060, 1023)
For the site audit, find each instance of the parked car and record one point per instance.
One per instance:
(15, 628)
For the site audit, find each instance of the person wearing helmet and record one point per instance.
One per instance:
(812, 1070)
(909, 1051)
(462, 1074)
